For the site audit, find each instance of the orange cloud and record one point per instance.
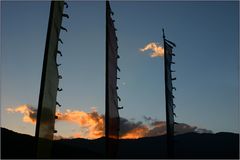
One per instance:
(92, 124)
(136, 133)
(158, 51)
(29, 113)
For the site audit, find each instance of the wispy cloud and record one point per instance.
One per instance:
(158, 50)
(91, 124)
(29, 113)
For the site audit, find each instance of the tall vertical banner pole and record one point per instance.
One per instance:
(49, 83)
(168, 46)
(112, 120)
(106, 84)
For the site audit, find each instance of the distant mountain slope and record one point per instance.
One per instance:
(190, 145)
(15, 145)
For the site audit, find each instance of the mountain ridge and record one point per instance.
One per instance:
(189, 145)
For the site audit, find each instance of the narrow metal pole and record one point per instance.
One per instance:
(169, 138)
(106, 85)
(43, 78)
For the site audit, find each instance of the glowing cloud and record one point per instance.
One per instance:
(136, 133)
(92, 124)
(158, 51)
(29, 113)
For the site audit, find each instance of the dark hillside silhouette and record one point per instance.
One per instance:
(190, 145)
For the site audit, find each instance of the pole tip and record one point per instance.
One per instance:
(163, 33)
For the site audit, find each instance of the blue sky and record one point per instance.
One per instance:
(207, 59)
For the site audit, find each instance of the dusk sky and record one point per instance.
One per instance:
(207, 60)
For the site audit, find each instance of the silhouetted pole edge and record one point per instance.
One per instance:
(43, 77)
(106, 85)
(169, 138)
(49, 71)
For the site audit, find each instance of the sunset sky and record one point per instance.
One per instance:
(207, 61)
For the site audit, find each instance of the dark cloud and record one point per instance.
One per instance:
(127, 125)
(32, 113)
(201, 130)
(149, 119)
(182, 128)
